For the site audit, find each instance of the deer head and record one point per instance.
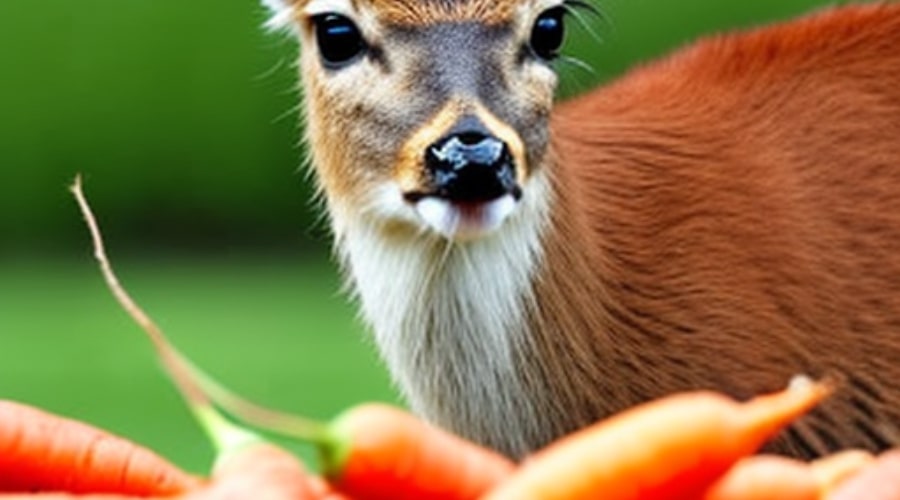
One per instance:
(427, 116)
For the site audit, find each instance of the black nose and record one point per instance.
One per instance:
(471, 167)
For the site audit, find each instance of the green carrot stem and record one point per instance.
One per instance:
(265, 419)
(226, 436)
(203, 394)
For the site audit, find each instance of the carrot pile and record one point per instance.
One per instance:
(692, 446)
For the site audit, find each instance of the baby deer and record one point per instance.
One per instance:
(723, 219)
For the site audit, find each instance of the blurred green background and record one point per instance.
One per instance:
(182, 115)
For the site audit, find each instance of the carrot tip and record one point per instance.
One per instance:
(822, 388)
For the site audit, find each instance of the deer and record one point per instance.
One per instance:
(723, 218)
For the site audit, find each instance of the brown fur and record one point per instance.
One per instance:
(422, 12)
(417, 13)
(728, 218)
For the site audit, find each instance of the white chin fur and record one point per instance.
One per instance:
(465, 221)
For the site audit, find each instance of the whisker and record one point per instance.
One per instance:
(272, 71)
(577, 8)
(578, 63)
(575, 81)
(292, 111)
(579, 5)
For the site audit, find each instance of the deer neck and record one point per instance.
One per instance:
(466, 328)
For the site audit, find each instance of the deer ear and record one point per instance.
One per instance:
(281, 13)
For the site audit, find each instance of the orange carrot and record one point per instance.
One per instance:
(258, 471)
(323, 490)
(878, 481)
(375, 451)
(44, 452)
(386, 453)
(766, 477)
(675, 447)
(70, 496)
(833, 470)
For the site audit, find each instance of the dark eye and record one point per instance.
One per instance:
(548, 33)
(338, 38)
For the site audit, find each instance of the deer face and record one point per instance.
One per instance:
(427, 115)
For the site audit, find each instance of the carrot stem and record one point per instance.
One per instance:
(226, 436)
(203, 393)
(332, 445)
(265, 419)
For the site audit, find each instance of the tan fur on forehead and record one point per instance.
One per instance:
(419, 12)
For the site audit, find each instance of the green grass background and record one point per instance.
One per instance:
(181, 116)
(273, 329)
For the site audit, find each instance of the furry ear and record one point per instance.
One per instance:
(281, 11)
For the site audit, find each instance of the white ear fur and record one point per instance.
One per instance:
(274, 5)
(282, 12)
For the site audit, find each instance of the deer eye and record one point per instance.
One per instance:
(338, 38)
(548, 33)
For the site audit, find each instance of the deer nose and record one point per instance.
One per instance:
(471, 167)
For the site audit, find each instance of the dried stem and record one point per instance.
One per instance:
(201, 391)
(225, 435)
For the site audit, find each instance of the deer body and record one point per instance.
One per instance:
(724, 219)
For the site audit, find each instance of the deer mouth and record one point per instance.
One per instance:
(471, 182)
(465, 220)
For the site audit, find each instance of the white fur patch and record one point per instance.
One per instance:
(276, 5)
(282, 14)
(465, 223)
(450, 317)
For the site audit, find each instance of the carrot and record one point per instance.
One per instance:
(675, 447)
(833, 470)
(258, 471)
(70, 496)
(878, 481)
(375, 451)
(324, 490)
(44, 452)
(766, 477)
(386, 453)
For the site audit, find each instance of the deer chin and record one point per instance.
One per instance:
(463, 221)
